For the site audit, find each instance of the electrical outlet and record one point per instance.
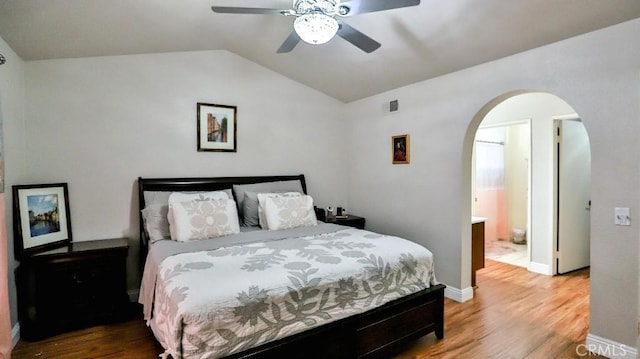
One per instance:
(622, 217)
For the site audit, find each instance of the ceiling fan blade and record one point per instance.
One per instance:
(245, 10)
(360, 40)
(365, 6)
(289, 43)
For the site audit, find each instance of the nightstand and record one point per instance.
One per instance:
(76, 286)
(351, 221)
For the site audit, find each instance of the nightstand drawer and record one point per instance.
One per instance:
(81, 275)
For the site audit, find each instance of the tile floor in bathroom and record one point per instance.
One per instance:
(507, 252)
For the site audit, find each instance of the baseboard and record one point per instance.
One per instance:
(606, 347)
(15, 335)
(539, 268)
(457, 294)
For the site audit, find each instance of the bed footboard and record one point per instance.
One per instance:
(374, 334)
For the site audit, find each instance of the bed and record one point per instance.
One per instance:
(313, 290)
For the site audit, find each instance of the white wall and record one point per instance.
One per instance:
(517, 160)
(100, 123)
(428, 200)
(12, 107)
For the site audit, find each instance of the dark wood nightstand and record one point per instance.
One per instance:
(72, 287)
(351, 221)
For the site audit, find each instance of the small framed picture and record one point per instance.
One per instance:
(41, 218)
(217, 128)
(400, 149)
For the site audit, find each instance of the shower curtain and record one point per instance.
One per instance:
(490, 184)
(5, 324)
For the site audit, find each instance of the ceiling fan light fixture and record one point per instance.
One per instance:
(316, 27)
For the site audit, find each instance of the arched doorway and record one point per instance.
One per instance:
(550, 223)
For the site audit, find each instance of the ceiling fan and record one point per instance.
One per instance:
(318, 21)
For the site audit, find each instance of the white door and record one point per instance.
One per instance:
(573, 191)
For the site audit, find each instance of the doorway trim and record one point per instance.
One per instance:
(557, 120)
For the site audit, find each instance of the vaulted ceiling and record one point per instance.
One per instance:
(418, 43)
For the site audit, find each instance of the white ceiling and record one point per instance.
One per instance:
(418, 43)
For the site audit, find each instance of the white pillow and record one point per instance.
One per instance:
(261, 204)
(264, 187)
(198, 196)
(289, 212)
(162, 197)
(178, 197)
(204, 219)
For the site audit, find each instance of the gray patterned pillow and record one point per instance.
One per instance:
(261, 203)
(204, 219)
(162, 197)
(264, 187)
(252, 208)
(289, 212)
(154, 215)
(178, 197)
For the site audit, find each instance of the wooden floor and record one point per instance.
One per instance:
(514, 314)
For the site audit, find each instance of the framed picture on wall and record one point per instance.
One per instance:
(217, 128)
(400, 149)
(41, 218)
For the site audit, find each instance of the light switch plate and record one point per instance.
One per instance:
(622, 216)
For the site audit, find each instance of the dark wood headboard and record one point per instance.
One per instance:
(195, 185)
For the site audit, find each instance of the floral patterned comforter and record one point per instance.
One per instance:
(212, 303)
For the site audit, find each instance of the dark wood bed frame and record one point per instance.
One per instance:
(377, 333)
